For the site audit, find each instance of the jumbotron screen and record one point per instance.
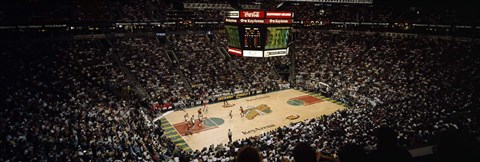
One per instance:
(232, 36)
(258, 33)
(277, 37)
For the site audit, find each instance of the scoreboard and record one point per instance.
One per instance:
(258, 33)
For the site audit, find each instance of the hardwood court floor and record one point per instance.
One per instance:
(243, 127)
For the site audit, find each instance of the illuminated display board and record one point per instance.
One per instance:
(277, 37)
(232, 36)
(252, 37)
(257, 33)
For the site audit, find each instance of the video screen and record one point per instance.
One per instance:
(277, 37)
(252, 37)
(232, 36)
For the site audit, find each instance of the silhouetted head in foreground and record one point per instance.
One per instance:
(386, 137)
(352, 153)
(248, 154)
(387, 149)
(304, 153)
(454, 145)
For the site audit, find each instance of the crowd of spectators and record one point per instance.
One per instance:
(163, 10)
(208, 72)
(410, 84)
(139, 11)
(213, 74)
(88, 11)
(60, 106)
(383, 13)
(66, 101)
(147, 61)
(418, 86)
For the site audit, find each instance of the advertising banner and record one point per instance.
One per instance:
(251, 53)
(232, 14)
(272, 53)
(278, 21)
(252, 14)
(235, 51)
(279, 15)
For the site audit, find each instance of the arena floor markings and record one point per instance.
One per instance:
(207, 124)
(172, 133)
(272, 112)
(304, 100)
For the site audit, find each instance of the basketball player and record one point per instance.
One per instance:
(193, 123)
(241, 111)
(225, 103)
(200, 120)
(231, 116)
(186, 117)
(205, 108)
(200, 116)
(190, 129)
(192, 119)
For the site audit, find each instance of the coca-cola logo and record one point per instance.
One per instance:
(254, 14)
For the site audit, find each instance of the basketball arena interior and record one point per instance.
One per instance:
(240, 80)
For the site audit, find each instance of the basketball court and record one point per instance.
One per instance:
(263, 113)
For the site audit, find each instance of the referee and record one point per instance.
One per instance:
(229, 136)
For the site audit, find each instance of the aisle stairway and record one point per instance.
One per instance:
(137, 87)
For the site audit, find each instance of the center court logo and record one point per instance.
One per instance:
(253, 112)
(295, 102)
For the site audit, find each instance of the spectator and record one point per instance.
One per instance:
(248, 154)
(352, 153)
(303, 152)
(454, 145)
(229, 136)
(387, 148)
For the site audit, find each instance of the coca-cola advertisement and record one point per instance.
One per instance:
(252, 14)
